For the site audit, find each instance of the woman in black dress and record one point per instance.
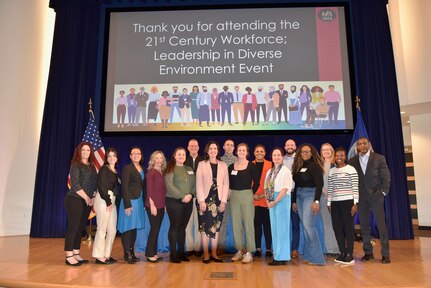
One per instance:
(212, 190)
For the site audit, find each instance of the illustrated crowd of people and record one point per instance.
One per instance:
(201, 192)
(228, 107)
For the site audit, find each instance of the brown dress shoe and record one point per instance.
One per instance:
(294, 254)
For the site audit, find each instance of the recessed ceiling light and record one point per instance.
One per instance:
(403, 112)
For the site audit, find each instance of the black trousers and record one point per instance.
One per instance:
(296, 232)
(263, 107)
(261, 218)
(342, 223)
(282, 109)
(128, 239)
(153, 236)
(77, 216)
(179, 215)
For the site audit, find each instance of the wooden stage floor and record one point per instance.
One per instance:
(26, 262)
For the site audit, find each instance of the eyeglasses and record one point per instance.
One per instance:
(136, 154)
(306, 152)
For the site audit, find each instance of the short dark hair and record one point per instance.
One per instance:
(340, 149)
(142, 155)
(259, 146)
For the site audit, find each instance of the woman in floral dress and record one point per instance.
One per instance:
(212, 189)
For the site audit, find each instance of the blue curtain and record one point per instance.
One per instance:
(377, 88)
(73, 74)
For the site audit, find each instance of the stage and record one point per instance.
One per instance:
(39, 262)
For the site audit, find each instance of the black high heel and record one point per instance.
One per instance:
(136, 259)
(83, 261)
(70, 264)
(106, 262)
(217, 260)
(128, 257)
(112, 260)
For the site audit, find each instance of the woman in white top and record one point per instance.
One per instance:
(278, 185)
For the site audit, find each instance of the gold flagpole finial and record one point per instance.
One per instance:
(90, 109)
(357, 103)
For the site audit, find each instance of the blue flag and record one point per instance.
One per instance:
(360, 131)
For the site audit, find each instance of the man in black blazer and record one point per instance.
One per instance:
(374, 182)
(282, 106)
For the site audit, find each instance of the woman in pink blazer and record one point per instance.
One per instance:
(212, 190)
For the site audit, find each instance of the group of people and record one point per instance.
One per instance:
(201, 192)
(219, 106)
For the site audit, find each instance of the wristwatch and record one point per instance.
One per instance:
(316, 201)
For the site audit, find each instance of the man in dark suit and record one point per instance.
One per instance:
(282, 108)
(225, 99)
(374, 182)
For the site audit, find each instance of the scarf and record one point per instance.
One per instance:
(270, 183)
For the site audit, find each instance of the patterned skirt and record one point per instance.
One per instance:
(210, 220)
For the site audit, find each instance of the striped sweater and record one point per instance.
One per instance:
(343, 184)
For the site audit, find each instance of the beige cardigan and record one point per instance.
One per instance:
(204, 181)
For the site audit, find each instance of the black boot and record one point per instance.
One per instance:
(183, 257)
(174, 257)
(128, 257)
(136, 259)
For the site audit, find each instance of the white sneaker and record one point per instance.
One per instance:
(248, 258)
(237, 257)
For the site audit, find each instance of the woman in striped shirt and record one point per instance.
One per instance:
(343, 197)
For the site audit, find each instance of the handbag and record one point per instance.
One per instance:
(293, 108)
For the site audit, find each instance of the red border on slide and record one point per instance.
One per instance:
(328, 47)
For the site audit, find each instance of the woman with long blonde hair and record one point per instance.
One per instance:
(328, 157)
(155, 201)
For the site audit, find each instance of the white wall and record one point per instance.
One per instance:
(421, 139)
(410, 29)
(26, 29)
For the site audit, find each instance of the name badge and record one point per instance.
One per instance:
(234, 172)
(303, 170)
(190, 172)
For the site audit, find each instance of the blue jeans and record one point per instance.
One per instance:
(312, 248)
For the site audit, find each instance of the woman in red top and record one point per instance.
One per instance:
(261, 212)
(215, 106)
(155, 201)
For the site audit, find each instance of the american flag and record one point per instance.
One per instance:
(92, 136)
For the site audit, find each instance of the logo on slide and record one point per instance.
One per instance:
(327, 15)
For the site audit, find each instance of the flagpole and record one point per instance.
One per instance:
(90, 109)
(89, 240)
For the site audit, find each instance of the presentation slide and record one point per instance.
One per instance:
(245, 69)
